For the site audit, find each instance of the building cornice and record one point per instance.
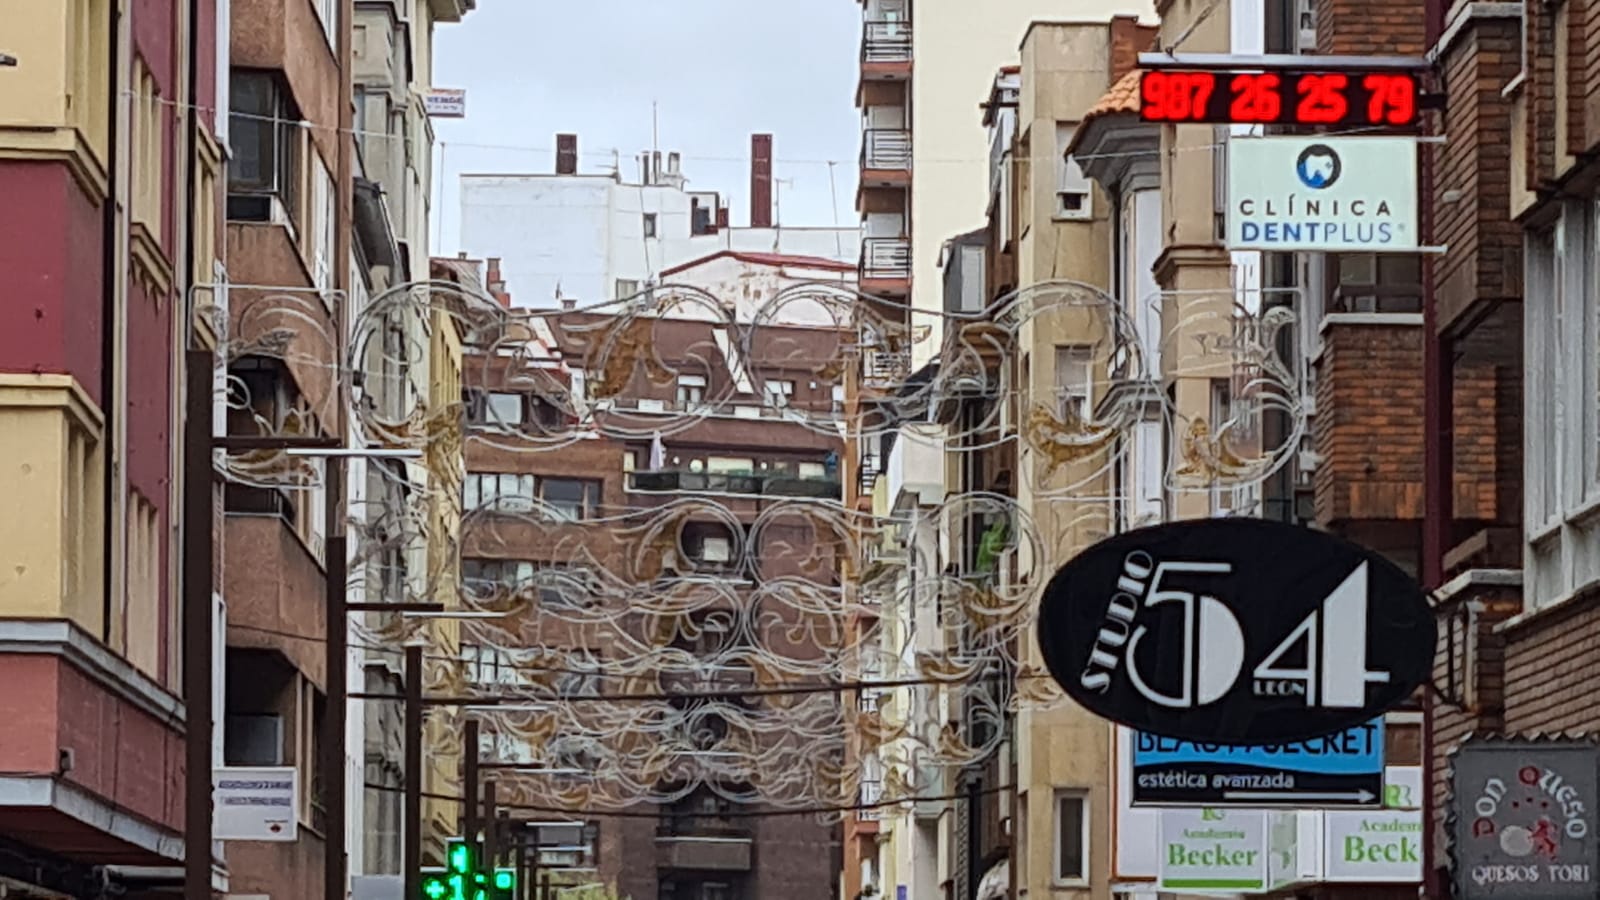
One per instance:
(63, 145)
(52, 390)
(77, 803)
(65, 640)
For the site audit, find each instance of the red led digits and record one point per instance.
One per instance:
(1176, 96)
(1255, 98)
(1392, 98)
(1322, 99)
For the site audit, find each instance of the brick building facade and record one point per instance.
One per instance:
(580, 514)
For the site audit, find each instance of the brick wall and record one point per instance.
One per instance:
(1472, 177)
(1370, 27)
(1368, 428)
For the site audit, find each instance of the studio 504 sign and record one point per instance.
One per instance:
(1235, 631)
(1322, 193)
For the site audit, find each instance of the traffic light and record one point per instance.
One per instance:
(465, 878)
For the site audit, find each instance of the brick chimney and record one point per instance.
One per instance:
(1128, 40)
(760, 181)
(495, 283)
(566, 154)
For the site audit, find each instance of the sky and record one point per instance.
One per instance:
(716, 70)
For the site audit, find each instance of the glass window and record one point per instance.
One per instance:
(568, 499)
(729, 465)
(1073, 381)
(1072, 838)
(691, 391)
(649, 225)
(502, 491)
(505, 409)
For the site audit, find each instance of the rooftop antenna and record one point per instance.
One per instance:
(777, 208)
(655, 128)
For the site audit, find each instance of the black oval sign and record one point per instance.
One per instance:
(1235, 631)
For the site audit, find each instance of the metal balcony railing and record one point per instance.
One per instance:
(886, 148)
(771, 485)
(871, 792)
(885, 42)
(885, 257)
(885, 369)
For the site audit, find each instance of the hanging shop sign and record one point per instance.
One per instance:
(1338, 770)
(254, 803)
(445, 103)
(1235, 631)
(1522, 819)
(1317, 193)
(1213, 850)
(1372, 847)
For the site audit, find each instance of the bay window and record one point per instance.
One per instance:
(264, 126)
(1562, 405)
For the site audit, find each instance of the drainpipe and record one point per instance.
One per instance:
(110, 332)
(1438, 450)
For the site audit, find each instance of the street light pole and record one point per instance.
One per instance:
(411, 808)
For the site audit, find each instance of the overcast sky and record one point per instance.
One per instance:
(719, 70)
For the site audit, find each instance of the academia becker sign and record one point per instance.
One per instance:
(1213, 850)
(1339, 194)
(1522, 819)
(1235, 631)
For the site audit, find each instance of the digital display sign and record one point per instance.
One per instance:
(1341, 99)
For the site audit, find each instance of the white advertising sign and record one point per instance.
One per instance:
(1373, 846)
(1339, 194)
(1213, 850)
(446, 103)
(255, 803)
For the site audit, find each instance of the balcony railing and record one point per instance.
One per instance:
(886, 148)
(886, 42)
(668, 480)
(885, 257)
(885, 369)
(871, 793)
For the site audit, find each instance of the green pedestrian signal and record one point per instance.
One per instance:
(465, 877)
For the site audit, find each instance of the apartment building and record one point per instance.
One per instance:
(598, 487)
(110, 166)
(597, 233)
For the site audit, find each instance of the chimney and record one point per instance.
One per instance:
(1128, 40)
(569, 303)
(495, 283)
(566, 154)
(722, 218)
(760, 181)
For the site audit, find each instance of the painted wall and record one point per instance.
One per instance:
(583, 233)
(957, 47)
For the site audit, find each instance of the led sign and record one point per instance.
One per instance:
(1341, 99)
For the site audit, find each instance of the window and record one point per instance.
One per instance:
(1072, 838)
(1562, 404)
(506, 409)
(1073, 381)
(649, 225)
(504, 492)
(148, 142)
(264, 126)
(328, 12)
(320, 225)
(780, 393)
(730, 465)
(626, 287)
(1074, 194)
(487, 665)
(691, 391)
(570, 499)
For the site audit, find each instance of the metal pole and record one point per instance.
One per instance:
(336, 662)
(519, 841)
(469, 780)
(198, 627)
(412, 811)
(491, 843)
(1438, 451)
(544, 888)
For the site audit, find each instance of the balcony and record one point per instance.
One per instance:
(886, 150)
(674, 480)
(702, 843)
(885, 259)
(885, 370)
(885, 48)
(871, 793)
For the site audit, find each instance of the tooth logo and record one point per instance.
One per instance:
(1318, 167)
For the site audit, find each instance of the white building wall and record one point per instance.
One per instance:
(586, 233)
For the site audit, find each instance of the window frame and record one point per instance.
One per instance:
(1058, 799)
(272, 129)
(1063, 392)
(650, 225)
(1070, 179)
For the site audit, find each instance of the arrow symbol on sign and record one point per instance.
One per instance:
(1358, 796)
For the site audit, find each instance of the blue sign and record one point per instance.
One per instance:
(1340, 770)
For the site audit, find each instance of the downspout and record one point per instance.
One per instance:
(111, 276)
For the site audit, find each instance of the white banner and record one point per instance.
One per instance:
(1340, 194)
(1213, 850)
(445, 103)
(254, 803)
